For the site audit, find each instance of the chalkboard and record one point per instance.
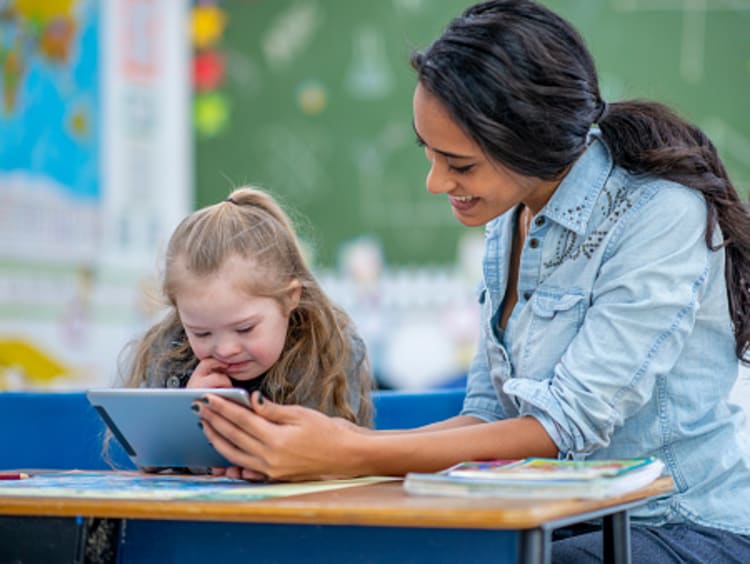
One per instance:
(318, 98)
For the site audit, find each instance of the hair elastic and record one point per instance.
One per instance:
(602, 112)
(231, 201)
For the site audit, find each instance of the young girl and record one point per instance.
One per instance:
(246, 312)
(615, 300)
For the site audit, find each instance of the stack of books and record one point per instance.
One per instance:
(545, 478)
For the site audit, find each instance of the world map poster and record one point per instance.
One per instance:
(49, 129)
(93, 96)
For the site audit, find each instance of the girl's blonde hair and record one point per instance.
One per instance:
(317, 355)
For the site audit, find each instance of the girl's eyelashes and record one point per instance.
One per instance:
(419, 142)
(203, 334)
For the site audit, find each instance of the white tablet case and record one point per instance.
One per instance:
(156, 426)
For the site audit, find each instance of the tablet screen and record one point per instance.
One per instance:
(157, 427)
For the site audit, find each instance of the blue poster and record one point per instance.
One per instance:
(50, 96)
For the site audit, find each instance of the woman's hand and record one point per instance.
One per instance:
(209, 374)
(280, 442)
(346, 424)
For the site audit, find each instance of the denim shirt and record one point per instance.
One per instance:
(621, 343)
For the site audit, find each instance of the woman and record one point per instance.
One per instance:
(614, 298)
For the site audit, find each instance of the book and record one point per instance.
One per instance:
(538, 478)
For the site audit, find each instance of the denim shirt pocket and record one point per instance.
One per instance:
(545, 329)
(547, 304)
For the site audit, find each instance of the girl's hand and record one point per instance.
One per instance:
(209, 374)
(279, 442)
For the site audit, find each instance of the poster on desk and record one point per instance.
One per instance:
(78, 484)
(91, 179)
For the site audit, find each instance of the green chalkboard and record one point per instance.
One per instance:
(319, 100)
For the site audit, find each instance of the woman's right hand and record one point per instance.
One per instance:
(279, 442)
(209, 374)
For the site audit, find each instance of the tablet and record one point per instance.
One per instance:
(157, 428)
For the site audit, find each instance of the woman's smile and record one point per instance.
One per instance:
(463, 203)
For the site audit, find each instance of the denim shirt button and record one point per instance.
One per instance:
(539, 221)
(534, 243)
(527, 295)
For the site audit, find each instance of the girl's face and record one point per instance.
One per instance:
(478, 189)
(222, 321)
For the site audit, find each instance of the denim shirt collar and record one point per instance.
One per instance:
(571, 205)
(573, 201)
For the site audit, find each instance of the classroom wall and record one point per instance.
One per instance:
(95, 172)
(310, 99)
(318, 101)
(317, 108)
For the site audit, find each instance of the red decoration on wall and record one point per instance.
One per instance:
(208, 71)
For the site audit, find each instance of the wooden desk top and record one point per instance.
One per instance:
(380, 504)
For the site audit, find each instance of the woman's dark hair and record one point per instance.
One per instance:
(519, 80)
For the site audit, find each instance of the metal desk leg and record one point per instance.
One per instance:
(101, 540)
(534, 546)
(616, 538)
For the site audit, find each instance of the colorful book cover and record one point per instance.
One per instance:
(538, 478)
(546, 469)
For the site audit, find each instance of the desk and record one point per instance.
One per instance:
(373, 523)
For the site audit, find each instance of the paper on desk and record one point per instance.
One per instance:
(138, 486)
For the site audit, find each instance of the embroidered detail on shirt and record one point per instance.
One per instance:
(613, 208)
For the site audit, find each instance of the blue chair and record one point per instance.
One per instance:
(404, 410)
(61, 430)
(54, 430)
